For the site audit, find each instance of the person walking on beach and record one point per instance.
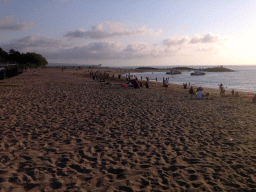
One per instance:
(222, 90)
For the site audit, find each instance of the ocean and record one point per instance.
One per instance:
(243, 79)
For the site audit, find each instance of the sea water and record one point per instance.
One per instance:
(243, 79)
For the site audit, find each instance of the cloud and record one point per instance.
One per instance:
(205, 49)
(174, 41)
(6, 20)
(5, 1)
(36, 43)
(207, 38)
(67, 49)
(16, 27)
(109, 51)
(9, 23)
(107, 30)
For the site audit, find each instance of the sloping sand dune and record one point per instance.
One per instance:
(64, 132)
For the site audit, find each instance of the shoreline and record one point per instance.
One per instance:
(213, 91)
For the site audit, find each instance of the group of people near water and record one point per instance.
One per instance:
(135, 83)
(199, 94)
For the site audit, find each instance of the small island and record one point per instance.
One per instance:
(218, 69)
(210, 69)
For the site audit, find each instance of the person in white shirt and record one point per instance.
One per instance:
(166, 83)
(200, 94)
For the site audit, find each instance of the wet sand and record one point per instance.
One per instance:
(65, 132)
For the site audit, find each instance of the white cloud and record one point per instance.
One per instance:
(5, 1)
(207, 38)
(9, 23)
(174, 41)
(6, 20)
(35, 43)
(106, 30)
(111, 51)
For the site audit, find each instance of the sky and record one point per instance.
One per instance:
(132, 32)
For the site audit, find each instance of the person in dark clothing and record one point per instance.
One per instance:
(191, 91)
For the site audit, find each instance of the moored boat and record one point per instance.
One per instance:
(198, 72)
(173, 72)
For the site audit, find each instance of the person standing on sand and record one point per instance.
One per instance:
(166, 83)
(254, 99)
(222, 90)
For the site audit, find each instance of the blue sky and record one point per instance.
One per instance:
(129, 32)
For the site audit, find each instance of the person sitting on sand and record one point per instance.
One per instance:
(201, 95)
(233, 92)
(185, 85)
(191, 91)
(147, 85)
(237, 94)
(198, 89)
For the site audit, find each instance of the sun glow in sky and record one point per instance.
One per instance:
(132, 32)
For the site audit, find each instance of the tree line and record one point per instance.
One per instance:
(28, 59)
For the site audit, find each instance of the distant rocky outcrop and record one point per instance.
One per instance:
(218, 69)
(210, 69)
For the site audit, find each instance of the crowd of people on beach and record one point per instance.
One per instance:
(133, 82)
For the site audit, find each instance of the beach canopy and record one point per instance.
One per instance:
(135, 83)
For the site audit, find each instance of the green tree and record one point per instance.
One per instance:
(28, 59)
(14, 56)
(4, 55)
(34, 60)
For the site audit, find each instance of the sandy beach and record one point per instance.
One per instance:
(61, 131)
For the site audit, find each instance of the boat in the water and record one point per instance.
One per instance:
(198, 72)
(173, 72)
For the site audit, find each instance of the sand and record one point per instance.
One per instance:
(65, 132)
